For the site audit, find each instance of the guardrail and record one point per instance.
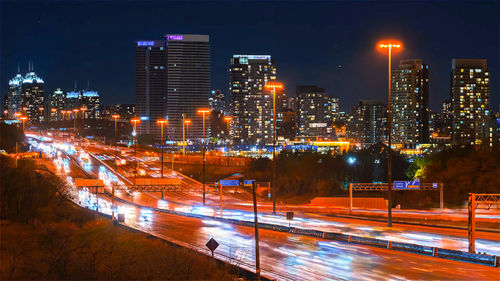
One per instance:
(485, 259)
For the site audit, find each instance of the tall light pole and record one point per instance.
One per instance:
(161, 122)
(116, 116)
(187, 122)
(83, 109)
(203, 111)
(183, 136)
(75, 112)
(135, 121)
(389, 45)
(24, 119)
(272, 86)
(228, 120)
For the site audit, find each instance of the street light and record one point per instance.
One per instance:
(228, 120)
(203, 111)
(161, 122)
(185, 136)
(389, 45)
(115, 116)
(273, 86)
(135, 121)
(74, 119)
(23, 118)
(83, 109)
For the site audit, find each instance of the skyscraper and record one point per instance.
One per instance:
(368, 122)
(251, 104)
(91, 101)
(314, 112)
(172, 79)
(217, 101)
(410, 102)
(32, 90)
(470, 91)
(56, 101)
(14, 99)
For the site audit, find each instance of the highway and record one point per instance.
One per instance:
(283, 256)
(238, 206)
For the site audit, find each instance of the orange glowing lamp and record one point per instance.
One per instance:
(187, 121)
(161, 121)
(228, 118)
(23, 118)
(203, 110)
(274, 86)
(115, 116)
(389, 44)
(53, 109)
(17, 114)
(135, 121)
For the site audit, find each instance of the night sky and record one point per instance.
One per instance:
(328, 44)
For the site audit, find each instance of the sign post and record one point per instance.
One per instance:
(289, 217)
(212, 245)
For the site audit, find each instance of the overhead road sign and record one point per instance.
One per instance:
(411, 185)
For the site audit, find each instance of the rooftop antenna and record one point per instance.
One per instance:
(88, 84)
(18, 68)
(75, 84)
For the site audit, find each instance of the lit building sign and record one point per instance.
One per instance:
(175, 37)
(144, 118)
(145, 43)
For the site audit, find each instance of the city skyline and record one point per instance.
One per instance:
(340, 56)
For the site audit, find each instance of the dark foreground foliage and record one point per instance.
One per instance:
(46, 237)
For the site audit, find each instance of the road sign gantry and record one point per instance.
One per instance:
(410, 185)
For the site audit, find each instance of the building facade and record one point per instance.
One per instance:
(315, 112)
(57, 103)
(217, 101)
(90, 100)
(470, 91)
(172, 81)
(410, 102)
(368, 122)
(32, 95)
(251, 104)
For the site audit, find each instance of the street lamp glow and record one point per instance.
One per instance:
(115, 116)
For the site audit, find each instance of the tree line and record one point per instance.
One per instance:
(45, 236)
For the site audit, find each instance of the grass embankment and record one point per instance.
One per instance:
(45, 236)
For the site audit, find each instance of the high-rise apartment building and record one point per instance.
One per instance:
(217, 101)
(368, 122)
(91, 101)
(314, 110)
(470, 91)
(251, 104)
(172, 81)
(410, 102)
(14, 100)
(57, 102)
(32, 90)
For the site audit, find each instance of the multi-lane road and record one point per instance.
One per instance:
(283, 255)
